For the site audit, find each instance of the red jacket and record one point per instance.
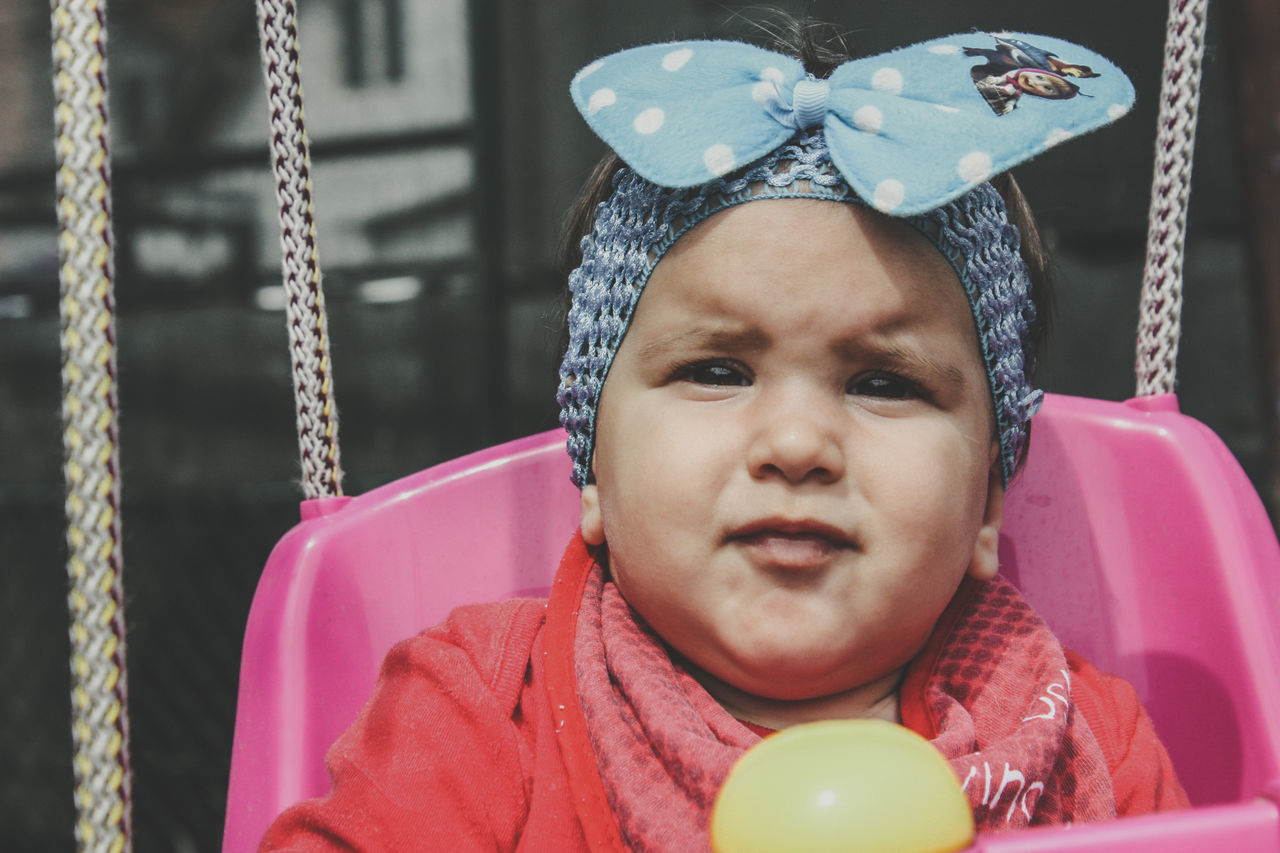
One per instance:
(460, 750)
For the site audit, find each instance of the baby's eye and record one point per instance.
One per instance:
(885, 386)
(714, 373)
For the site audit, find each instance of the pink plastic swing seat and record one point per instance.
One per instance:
(1132, 530)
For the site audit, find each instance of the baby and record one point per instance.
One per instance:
(796, 388)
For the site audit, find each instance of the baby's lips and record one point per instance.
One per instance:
(791, 551)
(793, 545)
(796, 529)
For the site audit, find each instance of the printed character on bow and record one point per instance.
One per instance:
(1016, 68)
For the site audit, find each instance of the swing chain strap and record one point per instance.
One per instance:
(308, 326)
(100, 728)
(1160, 314)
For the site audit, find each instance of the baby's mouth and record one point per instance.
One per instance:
(793, 545)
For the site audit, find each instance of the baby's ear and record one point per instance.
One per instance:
(986, 557)
(590, 520)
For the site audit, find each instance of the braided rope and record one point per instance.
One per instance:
(100, 729)
(1160, 315)
(308, 326)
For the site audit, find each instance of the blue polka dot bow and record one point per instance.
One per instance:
(910, 130)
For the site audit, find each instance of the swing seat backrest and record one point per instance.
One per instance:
(1132, 530)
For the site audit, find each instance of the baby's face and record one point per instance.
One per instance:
(795, 464)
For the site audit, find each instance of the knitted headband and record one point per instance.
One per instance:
(641, 220)
(896, 132)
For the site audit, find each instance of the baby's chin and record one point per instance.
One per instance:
(792, 670)
(802, 690)
(795, 680)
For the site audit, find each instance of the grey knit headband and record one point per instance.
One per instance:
(636, 225)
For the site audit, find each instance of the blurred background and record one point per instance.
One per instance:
(445, 150)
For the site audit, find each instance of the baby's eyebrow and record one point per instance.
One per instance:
(739, 339)
(912, 360)
(723, 338)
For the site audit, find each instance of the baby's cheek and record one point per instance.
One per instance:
(933, 496)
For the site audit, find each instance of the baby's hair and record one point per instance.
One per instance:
(820, 46)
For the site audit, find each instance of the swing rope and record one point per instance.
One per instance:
(1160, 314)
(100, 727)
(317, 412)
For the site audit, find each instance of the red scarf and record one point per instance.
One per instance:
(647, 748)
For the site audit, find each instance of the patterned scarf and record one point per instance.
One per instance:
(991, 689)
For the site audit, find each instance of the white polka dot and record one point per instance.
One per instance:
(676, 59)
(1056, 136)
(868, 119)
(887, 80)
(944, 108)
(649, 120)
(773, 75)
(1116, 110)
(719, 159)
(975, 166)
(591, 69)
(600, 99)
(888, 195)
(944, 49)
(764, 92)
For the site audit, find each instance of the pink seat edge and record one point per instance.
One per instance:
(247, 817)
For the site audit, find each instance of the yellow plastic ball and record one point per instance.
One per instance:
(841, 785)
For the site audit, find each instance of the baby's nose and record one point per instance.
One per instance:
(798, 440)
